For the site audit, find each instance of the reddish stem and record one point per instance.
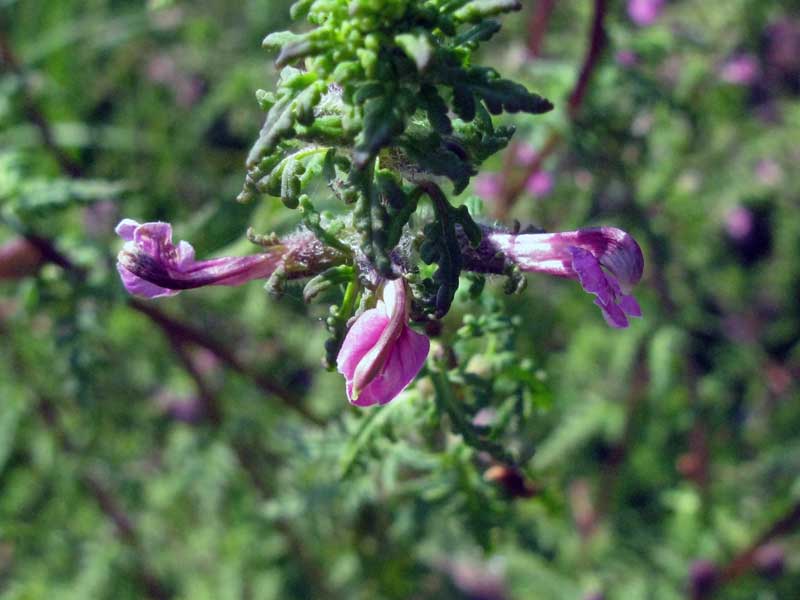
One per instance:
(594, 51)
(537, 26)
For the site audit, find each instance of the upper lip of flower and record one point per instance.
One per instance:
(372, 364)
(381, 354)
(580, 255)
(617, 251)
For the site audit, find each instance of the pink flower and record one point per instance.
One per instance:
(381, 354)
(626, 58)
(742, 69)
(739, 223)
(524, 154)
(540, 184)
(769, 172)
(606, 261)
(645, 12)
(151, 266)
(489, 186)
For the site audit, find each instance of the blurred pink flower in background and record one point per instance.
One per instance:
(782, 50)
(186, 88)
(645, 12)
(524, 153)
(742, 69)
(770, 559)
(185, 409)
(489, 186)
(626, 58)
(100, 217)
(540, 184)
(769, 172)
(477, 580)
(739, 222)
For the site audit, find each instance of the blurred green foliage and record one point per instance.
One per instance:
(194, 447)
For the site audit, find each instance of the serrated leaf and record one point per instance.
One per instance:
(482, 32)
(299, 9)
(278, 125)
(369, 89)
(281, 120)
(291, 184)
(42, 196)
(478, 10)
(505, 95)
(326, 280)
(463, 102)
(382, 121)
(390, 189)
(296, 50)
(278, 39)
(417, 47)
(436, 109)
(432, 156)
(371, 220)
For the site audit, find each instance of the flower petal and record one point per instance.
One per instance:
(140, 287)
(609, 296)
(360, 339)
(613, 314)
(630, 306)
(405, 361)
(126, 229)
(616, 250)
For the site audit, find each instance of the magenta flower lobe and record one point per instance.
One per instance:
(381, 354)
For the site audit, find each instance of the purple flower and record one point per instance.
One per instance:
(152, 266)
(381, 354)
(606, 261)
(645, 12)
(742, 69)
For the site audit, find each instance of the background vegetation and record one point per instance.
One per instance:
(194, 448)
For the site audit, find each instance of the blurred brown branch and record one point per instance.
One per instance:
(598, 39)
(171, 327)
(33, 112)
(537, 26)
(618, 453)
(108, 502)
(183, 332)
(597, 43)
(250, 456)
(180, 335)
(746, 560)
